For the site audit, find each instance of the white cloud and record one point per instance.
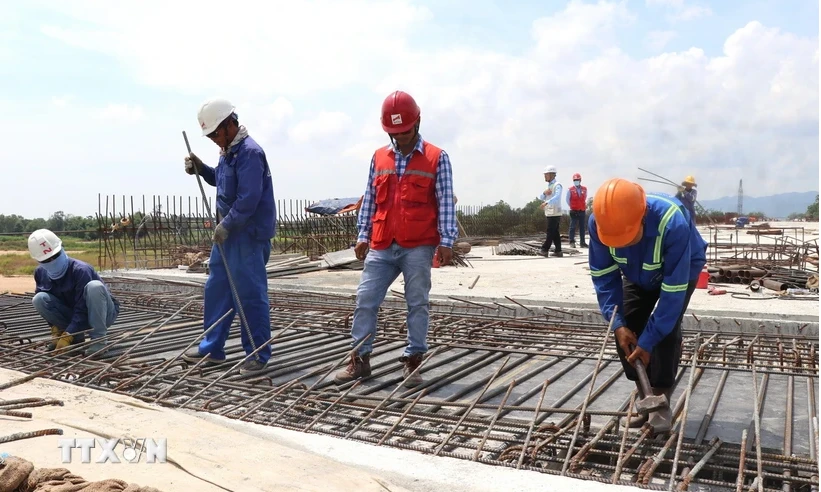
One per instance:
(295, 46)
(681, 11)
(658, 40)
(308, 81)
(120, 113)
(326, 125)
(691, 12)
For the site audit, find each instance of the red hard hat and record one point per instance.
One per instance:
(400, 113)
(577, 176)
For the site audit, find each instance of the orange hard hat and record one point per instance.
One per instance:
(619, 207)
(400, 112)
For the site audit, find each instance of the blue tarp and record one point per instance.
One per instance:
(332, 206)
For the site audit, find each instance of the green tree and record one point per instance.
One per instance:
(812, 210)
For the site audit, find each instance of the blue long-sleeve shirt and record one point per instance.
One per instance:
(245, 191)
(670, 254)
(555, 198)
(448, 231)
(69, 290)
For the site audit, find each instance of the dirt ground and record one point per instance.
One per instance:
(17, 284)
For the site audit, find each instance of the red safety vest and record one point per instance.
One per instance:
(578, 201)
(406, 209)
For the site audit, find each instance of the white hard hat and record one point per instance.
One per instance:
(550, 169)
(43, 244)
(212, 113)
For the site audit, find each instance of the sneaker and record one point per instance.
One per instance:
(544, 253)
(584, 245)
(411, 363)
(572, 244)
(358, 367)
(193, 355)
(558, 255)
(251, 366)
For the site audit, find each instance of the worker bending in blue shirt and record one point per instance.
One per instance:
(645, 249)
(70, 296)
(246, 222)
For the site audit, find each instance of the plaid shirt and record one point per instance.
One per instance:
(444, 195)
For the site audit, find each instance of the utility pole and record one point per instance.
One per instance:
(740, 198)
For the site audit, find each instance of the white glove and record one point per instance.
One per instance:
(190, 163)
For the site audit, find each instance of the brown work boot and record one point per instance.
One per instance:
(662, 420)
(411, 363)
(358, 367)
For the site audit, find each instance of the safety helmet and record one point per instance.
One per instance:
(400, 113)
(689, 180)
(550, 169)
(619, 207)
(212, 113)
(577, 176)
(43, 244)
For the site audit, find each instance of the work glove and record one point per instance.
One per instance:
(55, 333)
(220, 234)
(193, 162)
(63, 343)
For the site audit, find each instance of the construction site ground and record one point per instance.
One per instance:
(241, 455)
(208, 453)
(555, 282)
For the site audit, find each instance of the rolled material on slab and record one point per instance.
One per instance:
(773, 285)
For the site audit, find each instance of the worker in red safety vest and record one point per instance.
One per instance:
(577, 201)
(408, 215)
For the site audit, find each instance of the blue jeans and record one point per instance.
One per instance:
(577, 217)
(102, 310)
(382, 267)
(246, 257)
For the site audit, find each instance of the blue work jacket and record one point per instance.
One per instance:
(671, 253)
(70, 290)
(245, 191)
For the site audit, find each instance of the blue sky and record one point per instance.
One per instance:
(99, 95)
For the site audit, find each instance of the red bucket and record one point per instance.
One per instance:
(703, 279)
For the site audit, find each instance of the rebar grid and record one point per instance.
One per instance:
(498, 389)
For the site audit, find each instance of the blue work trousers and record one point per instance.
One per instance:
(102, 310)
(246, 257)
(382, 267)
(577, 217)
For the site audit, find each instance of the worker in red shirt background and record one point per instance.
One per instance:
(577, 201)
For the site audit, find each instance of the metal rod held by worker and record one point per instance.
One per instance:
(230, 277)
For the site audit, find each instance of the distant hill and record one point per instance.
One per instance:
(775, 206)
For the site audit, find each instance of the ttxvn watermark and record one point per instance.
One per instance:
(133, 450)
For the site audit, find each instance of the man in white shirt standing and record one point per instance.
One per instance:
(552, 205)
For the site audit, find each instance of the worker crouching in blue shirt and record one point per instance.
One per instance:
(70, 296)
(246, 222)
(645, 249)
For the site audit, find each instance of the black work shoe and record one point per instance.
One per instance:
(251, 366)
(358, 367)
(193, 355)
(411, 363)
(558, 255)
(584, 245)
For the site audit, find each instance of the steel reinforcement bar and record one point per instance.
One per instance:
(535, 392)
